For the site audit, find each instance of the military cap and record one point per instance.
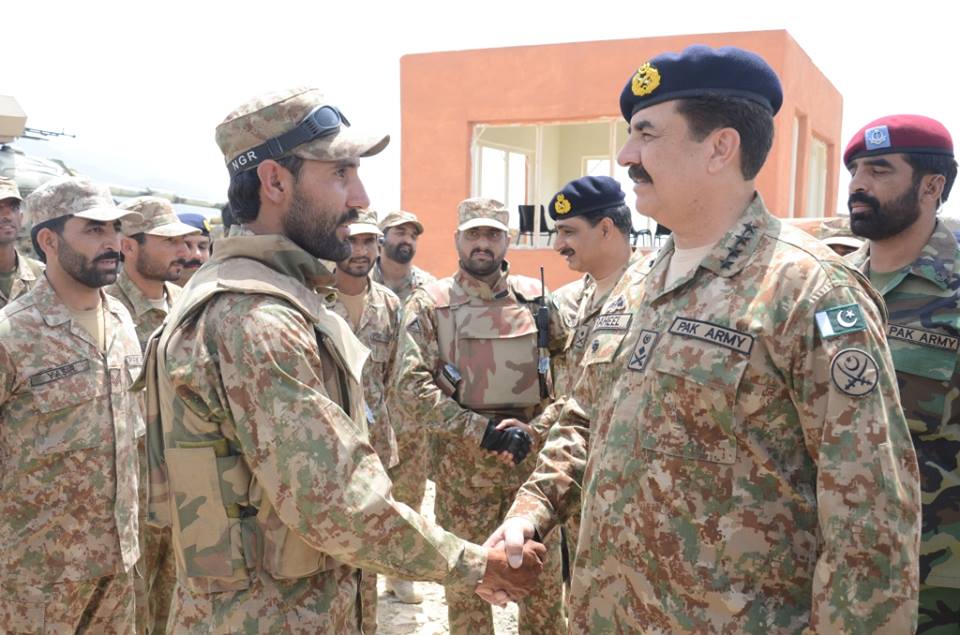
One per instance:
(9, 189)
(702, 71)
(73, 196)
(482, 212)
(198, 221)
(585, 195)
(400, 217)
(899, 134)
(366, 223)
(284, 123)
(156, 218)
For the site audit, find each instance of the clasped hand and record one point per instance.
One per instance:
(514, 562)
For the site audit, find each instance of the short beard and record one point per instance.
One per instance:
(315, 230)
(481, 271)
(84, 270)
(347, 271)
(151, 271)
(885, 220)
(392, 251)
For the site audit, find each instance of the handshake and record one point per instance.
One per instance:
(514, 562)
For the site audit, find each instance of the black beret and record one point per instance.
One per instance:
(701, 71)
(196, 220)
(585, 195)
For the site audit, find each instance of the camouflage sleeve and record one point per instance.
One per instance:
(315, 464)
(8, 374)
(419, 398)
(842, 382)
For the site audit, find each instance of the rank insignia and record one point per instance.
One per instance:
(641, 352)
(854, 372)
(562, 206)
(618, 304)
(840, 320)
(645, 80)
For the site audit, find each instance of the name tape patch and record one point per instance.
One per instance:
(713, 333)
(641, 352)
(60, 372)
(612, 322)
(922, 337)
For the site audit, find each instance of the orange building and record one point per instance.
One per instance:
(517, 123)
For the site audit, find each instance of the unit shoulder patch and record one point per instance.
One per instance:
(854, 372)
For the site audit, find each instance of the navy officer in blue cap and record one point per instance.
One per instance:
(734, 440)
(199, 244)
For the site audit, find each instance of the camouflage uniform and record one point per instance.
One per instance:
(744, 462)
(410, 474)
(259, 454)
(68, 464)
(378, 332)
(488, 334)
(924, 336)
(24, 277)
(155, 574)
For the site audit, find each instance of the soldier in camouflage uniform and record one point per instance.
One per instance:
(468, 359)
(373, 313)
(744, 461)
(257, 442)
(17, 272)
(401, 231)
(199, 244)
(68, 441)
(902, 170)
(154, 256)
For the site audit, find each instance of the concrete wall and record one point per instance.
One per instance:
(443, 95)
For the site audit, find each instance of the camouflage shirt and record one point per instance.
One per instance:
(744, 460)
(68, 450)
(262, 463)
(415, 279)
(923, 301)
(146, 317)
(486, 335)
(378, 332)
(24, 277)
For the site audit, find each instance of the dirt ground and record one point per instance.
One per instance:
(430, 618)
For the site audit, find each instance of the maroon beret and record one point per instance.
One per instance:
(900, 134)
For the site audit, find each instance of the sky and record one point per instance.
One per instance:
(142, 85)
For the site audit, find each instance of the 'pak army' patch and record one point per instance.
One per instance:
(923, 337)
(854, 372)
(713, 333)
(840, 320)
(641, 352)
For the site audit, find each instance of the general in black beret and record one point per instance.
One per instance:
(584, 195)
(701, 71)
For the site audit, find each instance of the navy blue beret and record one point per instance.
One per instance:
(196, 220)
(585, 195)
(701, 71)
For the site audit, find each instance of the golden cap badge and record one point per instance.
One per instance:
(645, 80)
(562, 206)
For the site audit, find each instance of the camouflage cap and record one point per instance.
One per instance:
(365, 224)
(157, 218)
(73, 196)
(400, 217)
(270, 115)
(482, 212)
(9, 189)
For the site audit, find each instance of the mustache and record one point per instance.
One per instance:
(350, 216)
(860, 197)
(567, 252)
(192, 263)
(109, 255)
(481, 251)
(638, 174)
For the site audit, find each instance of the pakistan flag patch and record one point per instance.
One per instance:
(840, 320)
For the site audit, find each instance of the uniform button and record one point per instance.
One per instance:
(595, 345)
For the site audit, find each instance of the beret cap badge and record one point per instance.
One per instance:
(562, 206)
(645, 80)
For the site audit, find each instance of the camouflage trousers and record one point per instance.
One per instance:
(409, 476)
(367, 596)
(101, 605)
(323, 603)
(154, 579)
(939, 611)
(473, 514)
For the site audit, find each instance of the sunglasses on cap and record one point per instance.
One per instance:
(322, 121)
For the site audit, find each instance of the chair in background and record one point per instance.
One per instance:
(661, 234)
(526, 213)
(645, 236)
